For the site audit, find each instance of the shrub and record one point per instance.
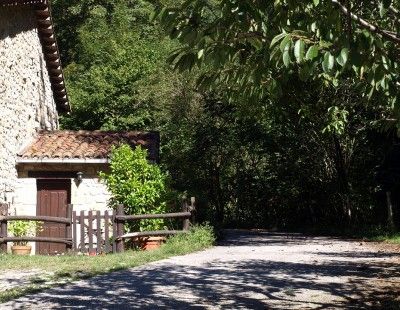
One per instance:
(137, 184)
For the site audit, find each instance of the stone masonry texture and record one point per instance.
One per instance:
(26, 99)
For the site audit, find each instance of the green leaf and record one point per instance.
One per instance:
(382, 9)
(316, 2)
(299, 48)
(312, 52)
(286, 58)
(343, 57)
(328, 63)
(277, 38)
(285, 42)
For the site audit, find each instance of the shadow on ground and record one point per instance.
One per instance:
(254, 284)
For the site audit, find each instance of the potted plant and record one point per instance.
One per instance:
(141, 187)
(23, 229)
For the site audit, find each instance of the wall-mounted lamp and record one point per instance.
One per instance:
(79, 177)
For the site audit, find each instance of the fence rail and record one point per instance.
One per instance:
(154, 216)
(4, 219)
(187, 215)
(53, 219)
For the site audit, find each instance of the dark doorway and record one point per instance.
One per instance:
(53, 195)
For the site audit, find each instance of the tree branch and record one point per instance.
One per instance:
(367, 25)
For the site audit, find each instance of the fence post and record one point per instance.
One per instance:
(90, 232)
(186, 221)
(114, 231)
(120, 229)
(74, 233)
(193, 210)
(82, 227)
(3, 226)
(68, 227)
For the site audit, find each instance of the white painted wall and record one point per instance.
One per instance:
(90, 194)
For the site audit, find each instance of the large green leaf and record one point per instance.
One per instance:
(299, 48)
(343, 57)
(328, 62)
(285, 42)
(286, 58)
(312, 52)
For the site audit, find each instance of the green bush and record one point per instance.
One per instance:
(137, 184)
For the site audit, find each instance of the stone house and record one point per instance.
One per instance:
(43, 168)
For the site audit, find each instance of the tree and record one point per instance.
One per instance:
(253, 47)
(116, 66)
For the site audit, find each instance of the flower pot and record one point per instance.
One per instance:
(150, 243)
(21, 249)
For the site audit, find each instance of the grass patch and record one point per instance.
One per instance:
(387, 237)
(67, 268)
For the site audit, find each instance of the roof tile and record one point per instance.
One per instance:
(67, 144)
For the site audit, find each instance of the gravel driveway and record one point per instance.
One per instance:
(249, 270)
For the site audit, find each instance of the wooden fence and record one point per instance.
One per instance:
(4, 219)
(187, 215)
(93, 232)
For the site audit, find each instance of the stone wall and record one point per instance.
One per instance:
(26, 99)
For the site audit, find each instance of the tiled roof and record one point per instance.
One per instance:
(66, 144)
(50, 48)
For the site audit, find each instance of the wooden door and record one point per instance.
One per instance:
(52, 199)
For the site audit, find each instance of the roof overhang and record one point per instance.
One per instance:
(63, 161)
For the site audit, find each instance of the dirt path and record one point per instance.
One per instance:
(249, 270)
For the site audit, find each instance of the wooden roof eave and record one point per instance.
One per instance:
(52, 55)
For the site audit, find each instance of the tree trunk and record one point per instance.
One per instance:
(343, 183)
(219, 206)
(390, 221)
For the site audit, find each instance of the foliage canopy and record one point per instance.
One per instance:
(253, 47)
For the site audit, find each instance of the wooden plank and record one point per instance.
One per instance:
(74, 231)
(3, 226)
(120, 229)
(186, 221)
(90, 232)
(3, 246)
(152, 233)
(38, 239)
(184, 214)
(41, 218)
(68, 227)
(107, 247)
(82, 223)
(114, 236)
(98, 232)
